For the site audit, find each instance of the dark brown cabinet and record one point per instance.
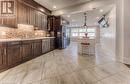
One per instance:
(45, 45)
(27, 12)
(14, 53)
(27, 51)
(37, 48)
(3, 57)
(28, 15)
(52, 44)
(54, 23)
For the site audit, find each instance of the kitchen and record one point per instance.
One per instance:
(60, 42)
(26, 29)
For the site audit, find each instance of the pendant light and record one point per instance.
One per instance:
(85, 22)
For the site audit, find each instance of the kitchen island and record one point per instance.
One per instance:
(16, 51)
(91, 46)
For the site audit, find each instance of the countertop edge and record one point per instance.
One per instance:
(24, 39)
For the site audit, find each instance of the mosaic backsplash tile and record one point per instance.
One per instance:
(23, 31)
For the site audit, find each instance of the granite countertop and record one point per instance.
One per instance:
(22, 39)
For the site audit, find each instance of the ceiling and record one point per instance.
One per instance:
(76, 8)
(59, 3)
(78, 19)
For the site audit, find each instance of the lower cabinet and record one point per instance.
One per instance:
(27, 51)
(37, 48)
(52, 45)
(45, 45)
(14, 53)
(3, 57)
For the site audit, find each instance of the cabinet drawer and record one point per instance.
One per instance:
(2, 44)
(13, 43)
(27, 42)
(37, 41)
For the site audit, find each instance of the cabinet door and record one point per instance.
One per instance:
(43, 46)
(32, 16)
(3, 58)
(27, 52)
(44, 22)
(48, 45)
(13, 53)
(36, 18)
(40, 20)
(22, 13)
(52, 46)
(37, 49)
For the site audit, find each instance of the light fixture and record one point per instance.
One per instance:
(3, 33)
(85, 23)
(61, 12)
(73, 20)
(68, 16)
(90, 7)
(101, 10)
(53, 4)
(41, 9)
(54, 7)
(97, 17)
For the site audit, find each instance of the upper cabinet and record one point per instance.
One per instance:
(55, 23)
(28, 15)
(28, 12)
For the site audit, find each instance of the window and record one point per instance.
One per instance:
(80, 32)
(74, 34)
(91, 32)
(74, 30)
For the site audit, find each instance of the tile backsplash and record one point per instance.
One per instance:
(23, 31)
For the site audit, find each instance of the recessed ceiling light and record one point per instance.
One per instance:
(54, 7)
(90, 6)
(101, 10)
(97, 17)
(41, 9)
(73, 20)
(68, 16)
(61, 12)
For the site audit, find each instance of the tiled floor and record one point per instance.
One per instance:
(67, 67)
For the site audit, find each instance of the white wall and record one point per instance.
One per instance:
(97, 34)
(123, 31)
(127, 31)
(120, 30)
(108, 35)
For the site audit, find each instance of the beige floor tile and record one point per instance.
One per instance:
(67, 67)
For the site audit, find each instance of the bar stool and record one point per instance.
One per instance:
(85, 48)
